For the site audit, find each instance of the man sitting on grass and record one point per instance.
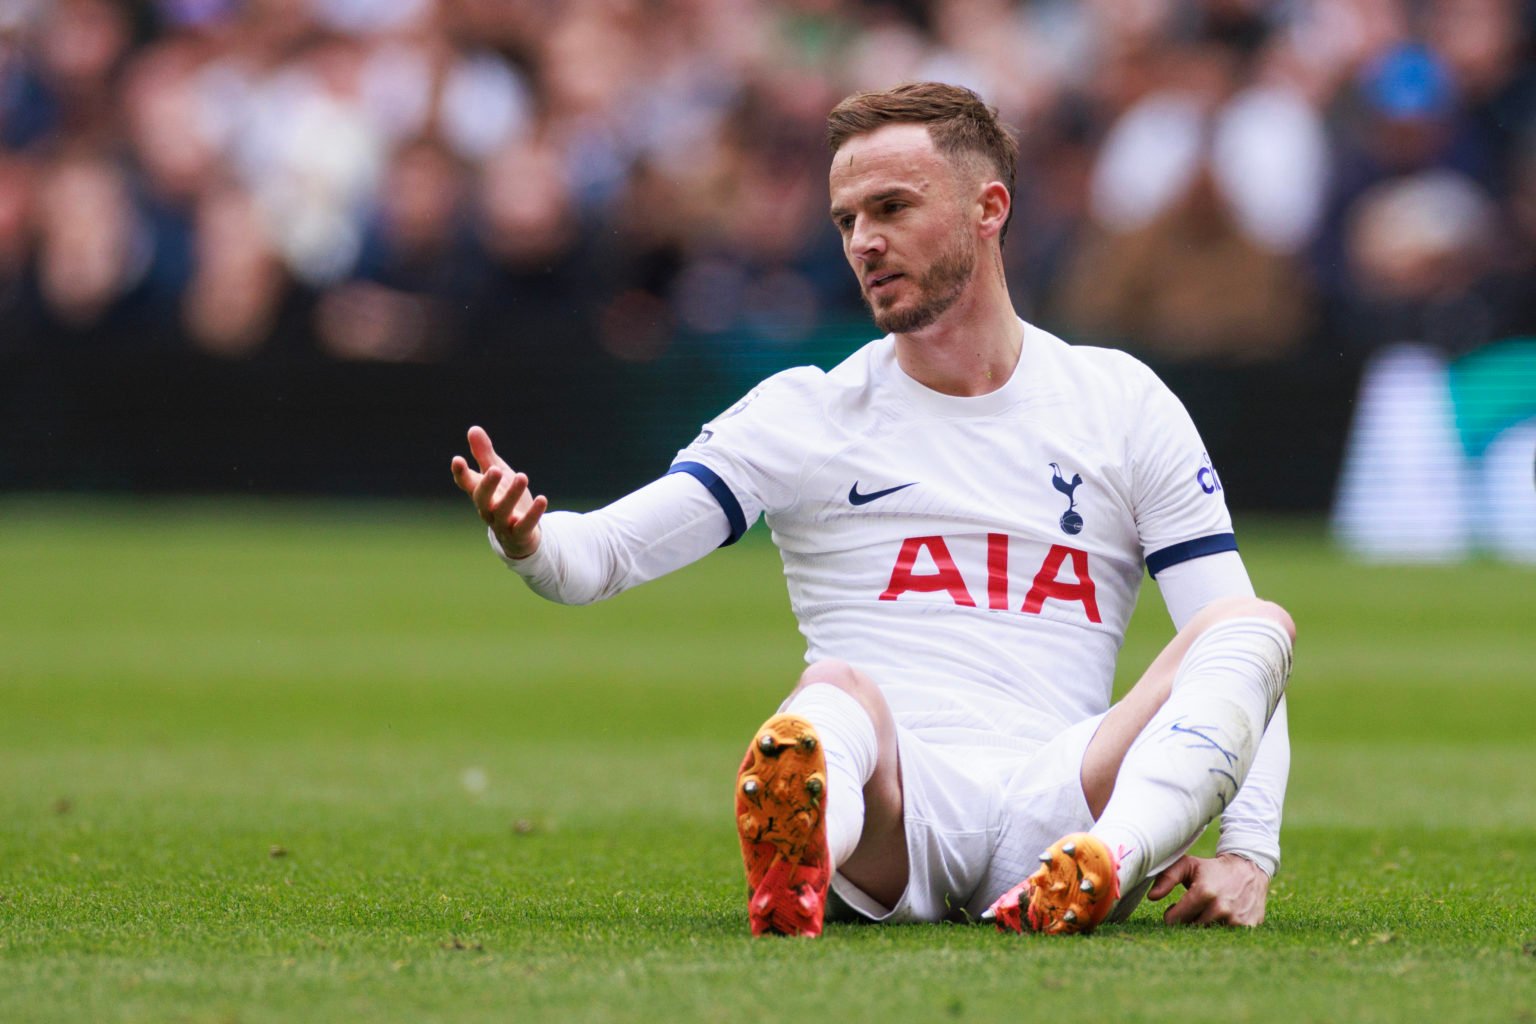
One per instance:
(964, 508)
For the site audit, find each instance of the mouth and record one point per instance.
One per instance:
(878, 281)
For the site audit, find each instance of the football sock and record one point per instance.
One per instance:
(1190, 760)
(847, 736)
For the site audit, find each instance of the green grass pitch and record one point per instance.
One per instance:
(276, 762)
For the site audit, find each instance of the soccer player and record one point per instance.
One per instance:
(963, 508)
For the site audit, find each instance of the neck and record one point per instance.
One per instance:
(970, 350)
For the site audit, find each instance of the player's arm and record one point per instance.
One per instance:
(748, 461)
(1232, 887)
(580, 558)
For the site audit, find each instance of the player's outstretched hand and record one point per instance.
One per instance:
(1226, 889)
(501, 496)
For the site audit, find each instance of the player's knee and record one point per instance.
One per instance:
(1262, 609)
(836, 673)
(844, 676)
(1280, 615)
(1249, 607)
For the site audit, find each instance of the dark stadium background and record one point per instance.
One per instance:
(295, 247)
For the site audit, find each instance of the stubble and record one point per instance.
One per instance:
(938, 289)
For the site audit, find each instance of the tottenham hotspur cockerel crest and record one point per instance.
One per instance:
(1071, 522)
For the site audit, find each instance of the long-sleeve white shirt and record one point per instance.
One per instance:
(978, 557)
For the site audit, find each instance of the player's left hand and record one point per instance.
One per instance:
(1226, 889)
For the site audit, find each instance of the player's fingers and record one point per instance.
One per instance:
(511, 495)
(480, 446)
(1175, 875)
(1242, 918)
(1189, 907)
(485, 490)
(505, 495)
(465, 477)
(516, 533)
(529, 520)
(502, 510)
(1217, 911)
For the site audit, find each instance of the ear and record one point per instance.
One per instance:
(995, 204)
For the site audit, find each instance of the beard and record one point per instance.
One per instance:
(938, 288)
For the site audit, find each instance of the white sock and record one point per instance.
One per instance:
(848, 740)
(1190, 760)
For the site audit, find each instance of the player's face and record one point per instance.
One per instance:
(900, 206)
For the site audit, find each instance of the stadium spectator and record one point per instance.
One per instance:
(80, 46)
(611, 183)
(92, 245)
(239, 288)
(1203, 192)
(537, 295)
(416, 265)
(1203, 122)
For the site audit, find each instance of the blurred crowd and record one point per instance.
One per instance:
(408, 180)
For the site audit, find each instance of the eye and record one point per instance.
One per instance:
(845, 223)
(895, 206)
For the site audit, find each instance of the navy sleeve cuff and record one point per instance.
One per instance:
(728, 503)
(1215, 544)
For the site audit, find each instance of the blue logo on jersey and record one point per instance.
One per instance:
(855, 498)
(1206, 476)
(1071, 522)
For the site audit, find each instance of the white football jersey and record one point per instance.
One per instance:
(978, 557)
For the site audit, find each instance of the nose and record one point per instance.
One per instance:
(864, 243)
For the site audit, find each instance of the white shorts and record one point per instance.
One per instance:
(976, 820)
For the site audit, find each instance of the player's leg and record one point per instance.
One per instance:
(1164, 762)
(1129, 717)
(820, 788)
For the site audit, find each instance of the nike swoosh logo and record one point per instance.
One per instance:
(855, 498)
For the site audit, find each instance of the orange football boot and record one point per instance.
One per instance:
(781, 793)
(1075, 888)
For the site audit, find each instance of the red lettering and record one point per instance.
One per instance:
(1046, 584)
(947, 578)
(997, 571)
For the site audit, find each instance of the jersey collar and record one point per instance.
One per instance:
(953, 406)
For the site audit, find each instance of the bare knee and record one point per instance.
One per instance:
(1244, 607)
(1272, 611)
(1280, 615)
(832, 672)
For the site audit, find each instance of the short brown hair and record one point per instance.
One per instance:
(958, 121)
